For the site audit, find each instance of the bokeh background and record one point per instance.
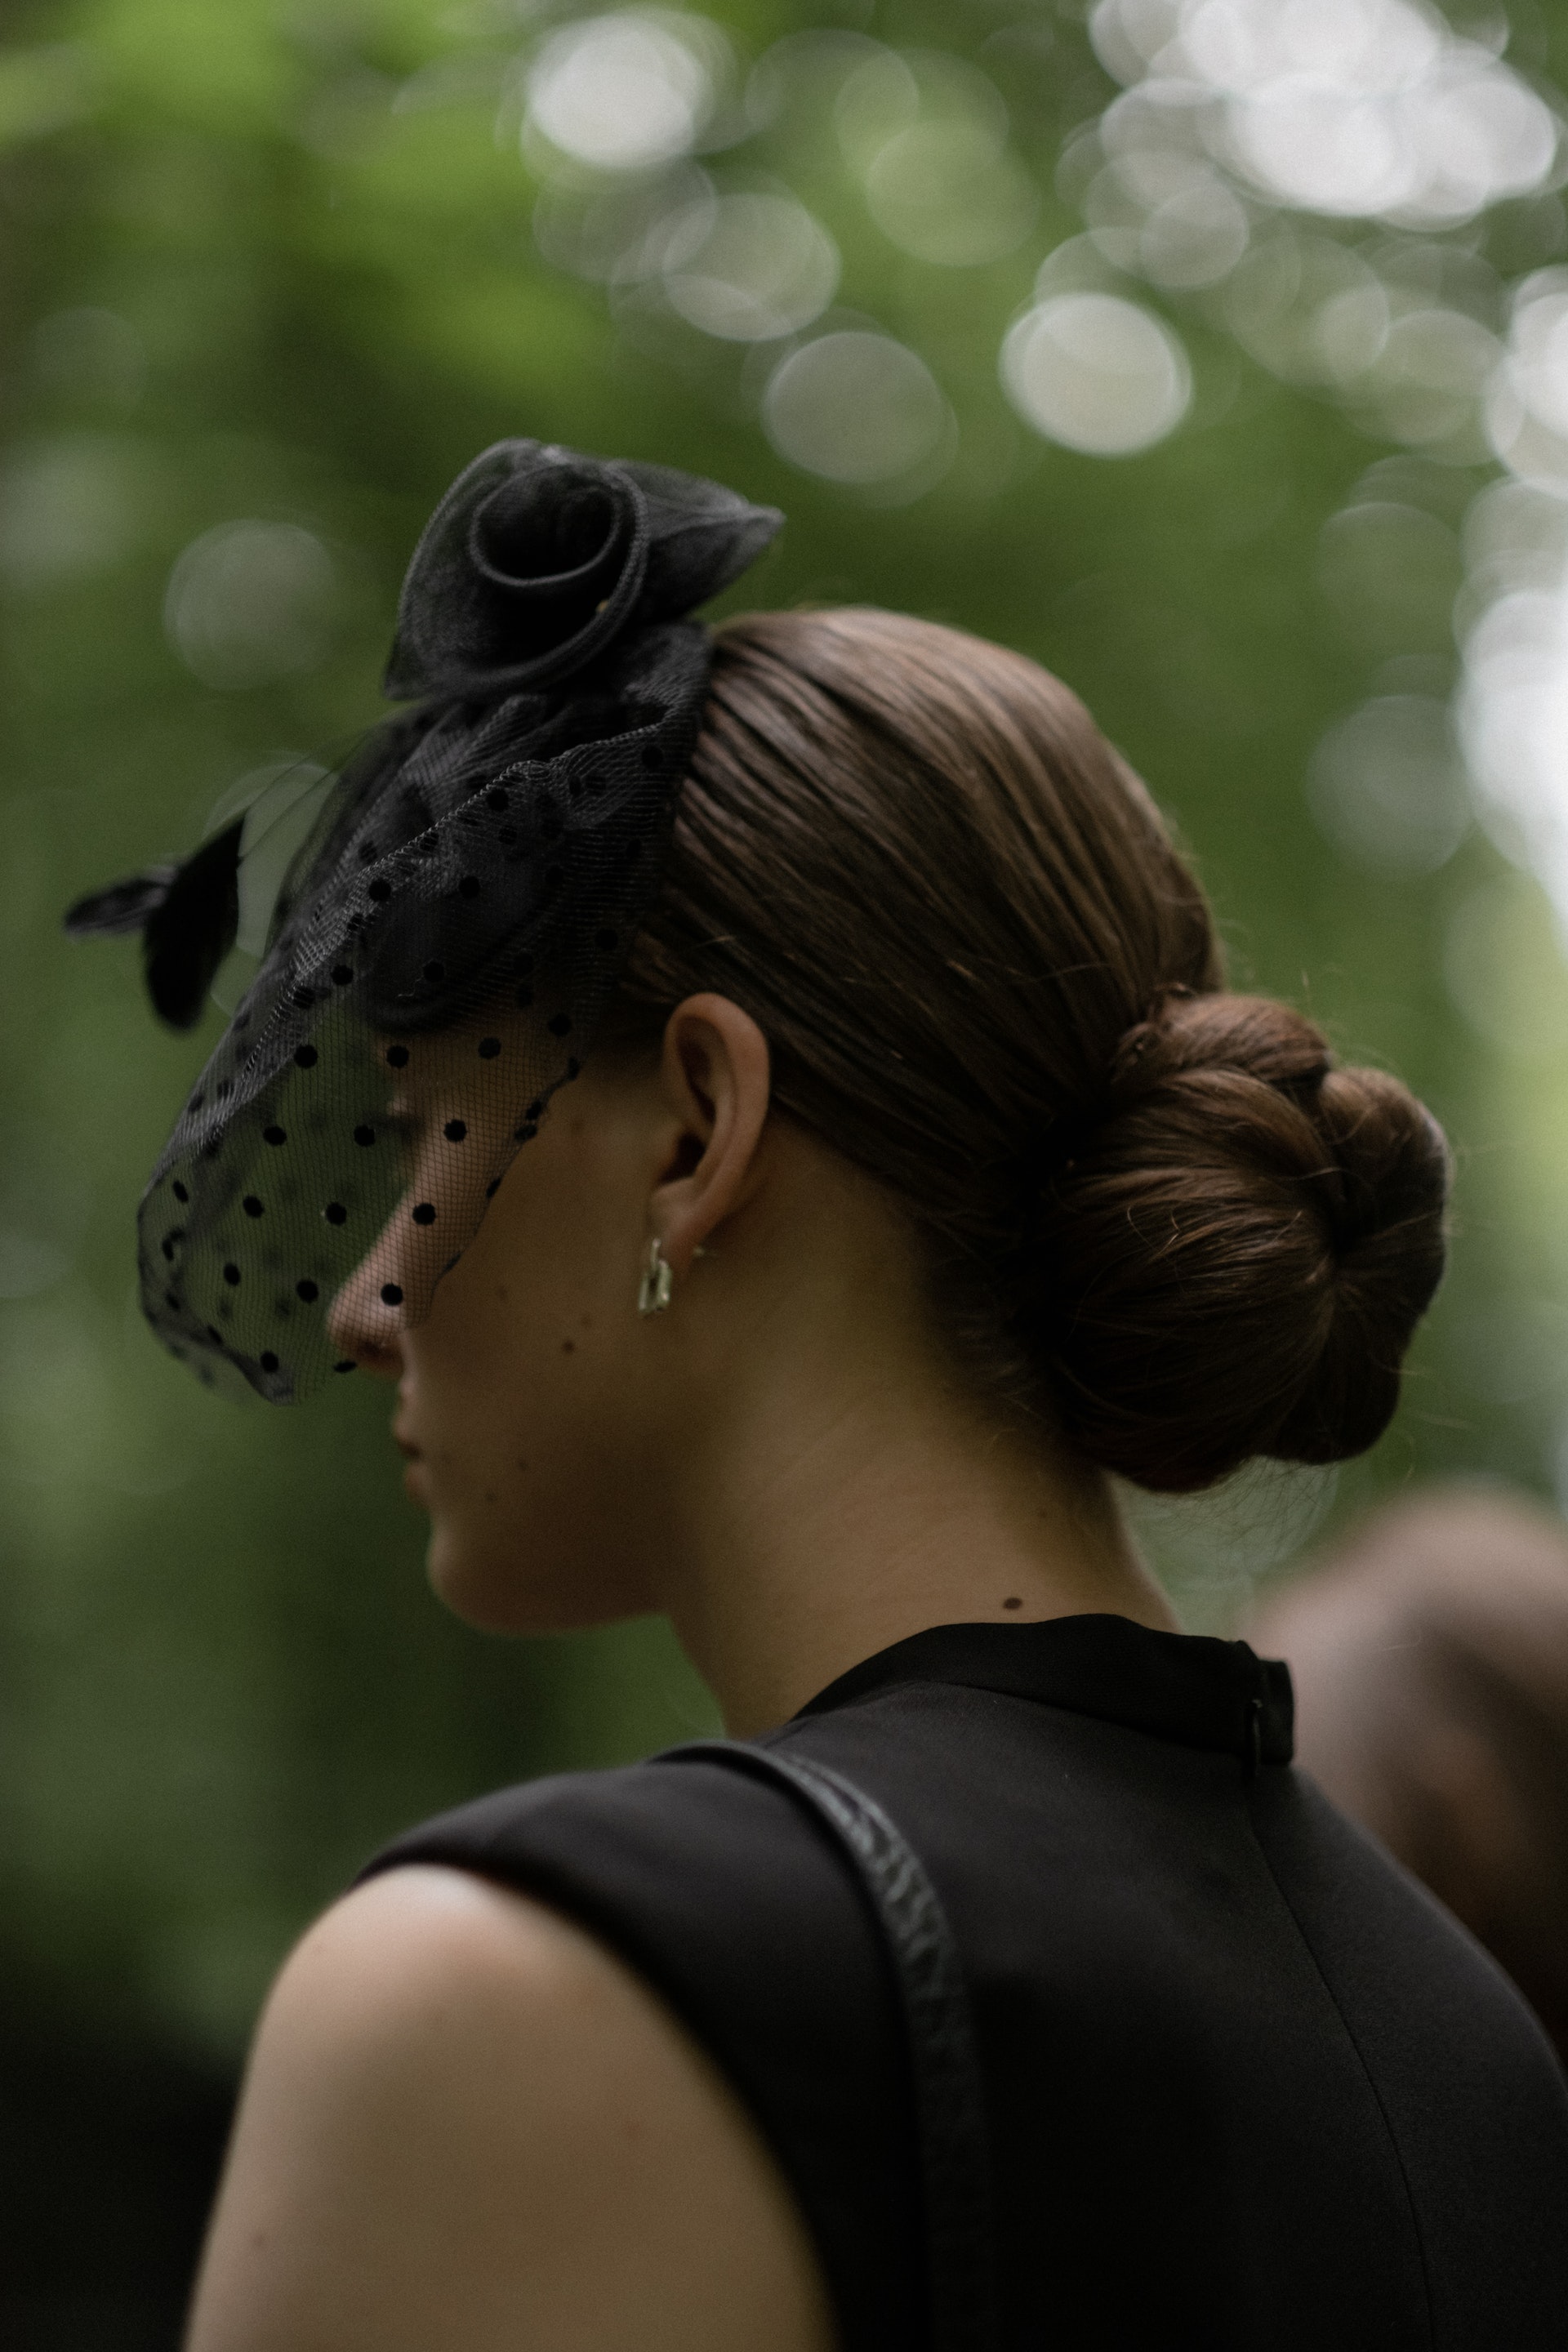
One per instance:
(1215, 352)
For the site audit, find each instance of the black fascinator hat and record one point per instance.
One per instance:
(461, 903)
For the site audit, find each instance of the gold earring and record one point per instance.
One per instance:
(656, 1287)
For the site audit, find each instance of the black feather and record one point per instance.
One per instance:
(193, 927)
(123, 906)
(187, 916)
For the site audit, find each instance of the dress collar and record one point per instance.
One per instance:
(1183, 1687)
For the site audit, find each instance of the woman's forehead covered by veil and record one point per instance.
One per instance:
(446, 937)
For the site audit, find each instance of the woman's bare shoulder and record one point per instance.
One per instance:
(466, 2125)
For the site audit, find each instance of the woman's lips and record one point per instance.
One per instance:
(413, 1465)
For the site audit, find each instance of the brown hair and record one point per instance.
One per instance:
(1150, 1210)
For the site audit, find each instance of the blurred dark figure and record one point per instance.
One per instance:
(111, 2141)
(1430, 1659)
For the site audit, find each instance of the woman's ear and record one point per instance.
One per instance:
(714, 1077)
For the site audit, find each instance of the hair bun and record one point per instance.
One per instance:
(1235, 1258)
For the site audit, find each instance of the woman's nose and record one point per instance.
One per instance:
(392, 1285)
(365, 1319)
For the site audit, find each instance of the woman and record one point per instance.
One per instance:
(1001, 1985)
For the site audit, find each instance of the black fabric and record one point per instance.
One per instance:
(1202, 1692)
(537, 559)
(1247, 2084)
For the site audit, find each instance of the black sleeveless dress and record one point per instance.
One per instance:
(1245, 2085)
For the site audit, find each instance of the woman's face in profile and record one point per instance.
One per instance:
(530, 1404)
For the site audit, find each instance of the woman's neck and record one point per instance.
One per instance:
(834, 1509)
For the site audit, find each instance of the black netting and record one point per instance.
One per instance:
(444, 943)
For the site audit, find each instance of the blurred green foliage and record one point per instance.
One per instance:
(222, 1680)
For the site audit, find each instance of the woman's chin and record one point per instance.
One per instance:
(486, 1594)
(496, 1594)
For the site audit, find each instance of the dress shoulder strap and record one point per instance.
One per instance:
(950, 2109)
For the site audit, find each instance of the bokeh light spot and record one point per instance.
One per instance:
(855, 407)
(1096, 373)
(622, 92)
(947, 193)
(1387, 786)
(759, 267)
(248, 603)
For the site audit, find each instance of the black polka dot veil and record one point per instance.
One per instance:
(445, 939)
